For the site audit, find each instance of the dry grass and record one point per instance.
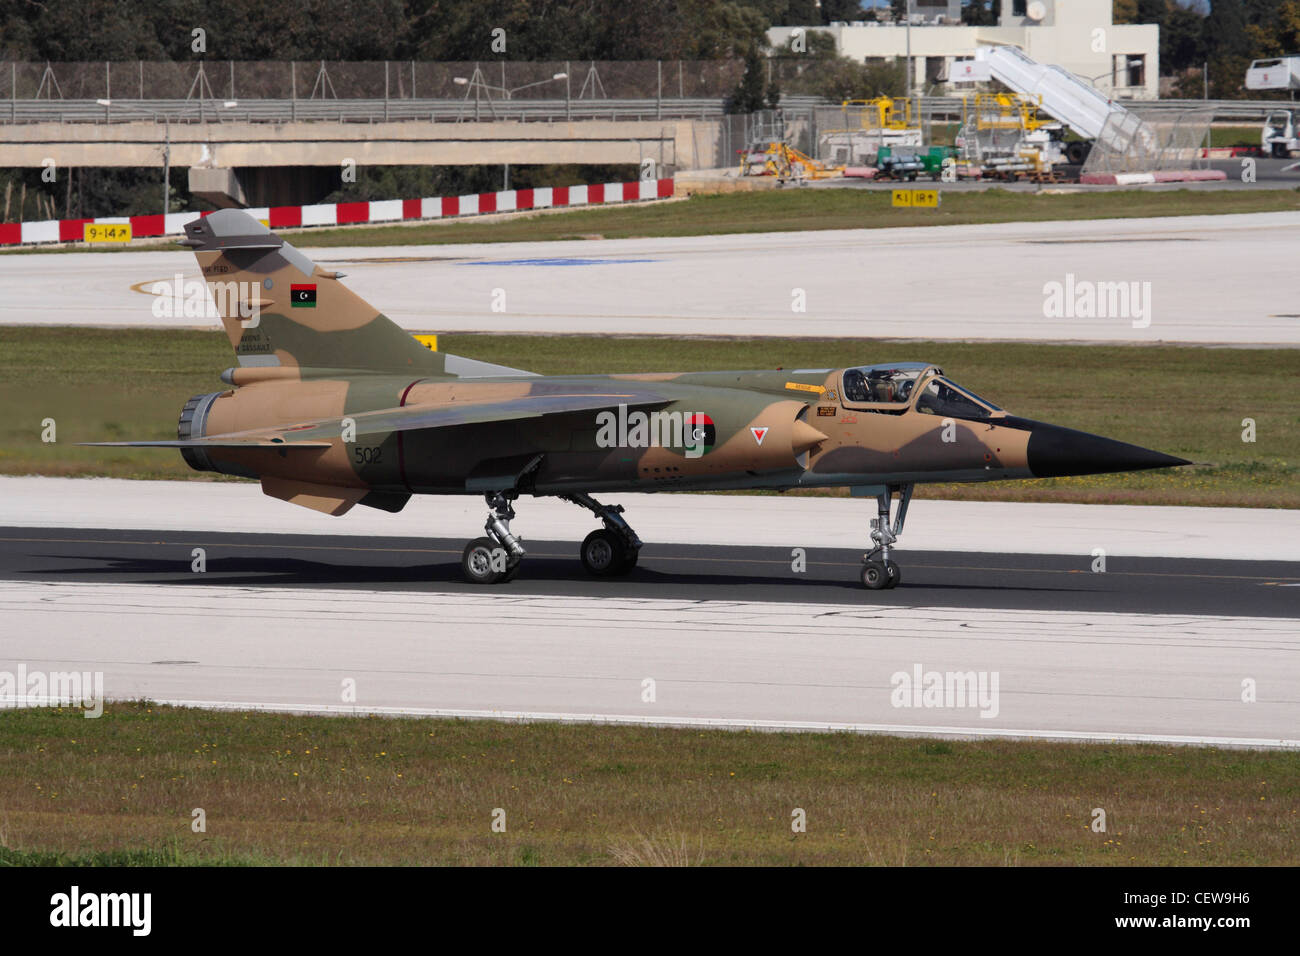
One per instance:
(288, 789)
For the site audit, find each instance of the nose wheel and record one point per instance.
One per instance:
(494, 558)
(880, 575)
(879, 570)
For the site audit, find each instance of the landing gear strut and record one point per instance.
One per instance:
(610, 550)
(496, 557)
(878, 569)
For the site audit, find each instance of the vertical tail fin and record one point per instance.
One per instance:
(281, 309)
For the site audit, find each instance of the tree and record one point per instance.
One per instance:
(839, 78)
(1279, 35)
(841, 10)
(1225, 30)
(1151, 11)
(1228, 48)
(749, 96)
(1182, 39)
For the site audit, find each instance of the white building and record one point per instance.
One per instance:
(1121, 60)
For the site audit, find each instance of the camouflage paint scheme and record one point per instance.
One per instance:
(429, 422)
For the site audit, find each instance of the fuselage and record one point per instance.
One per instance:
(712, 430)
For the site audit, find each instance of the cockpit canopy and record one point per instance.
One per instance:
(894, 387)
(883, 384)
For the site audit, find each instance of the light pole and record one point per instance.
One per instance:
(167, 146)
(476, 81)
(463, 81)
(907, 13)
(167, 141)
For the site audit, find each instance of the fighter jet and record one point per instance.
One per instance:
(332, 405)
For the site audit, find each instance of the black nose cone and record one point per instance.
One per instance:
(1054, 451)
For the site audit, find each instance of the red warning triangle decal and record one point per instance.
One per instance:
(759, 432)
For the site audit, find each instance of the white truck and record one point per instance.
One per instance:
(1278, 73)
(1278, 138)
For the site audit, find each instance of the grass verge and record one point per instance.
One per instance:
(332, 790)
(110, 384)
(336, 790)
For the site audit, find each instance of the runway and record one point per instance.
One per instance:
(98, 575)
(1212, 280)
(1081, 676)
(731, 574)
(780, 522)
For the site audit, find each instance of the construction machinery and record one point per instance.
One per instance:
(786, 163)
(1109, 139)
(1003, 135)
(1083, 108)
(868, 126)
(907, 163)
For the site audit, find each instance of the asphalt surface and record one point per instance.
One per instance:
(666, 571)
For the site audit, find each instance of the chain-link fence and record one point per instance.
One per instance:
(847, 135)
(1142, 141)
(316, 79)
(740, 131)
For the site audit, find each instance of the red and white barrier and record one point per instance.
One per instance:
(348, 213)
(1147, 179)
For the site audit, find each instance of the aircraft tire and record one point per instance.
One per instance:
(895, 575)
(875, 577)
(476, 562)
(630, 556)
(603, 553)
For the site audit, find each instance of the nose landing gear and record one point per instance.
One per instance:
(494, 558)
(879, 572)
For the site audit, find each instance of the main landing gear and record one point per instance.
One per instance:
(611, 550)
(606, 552)
(878, 569)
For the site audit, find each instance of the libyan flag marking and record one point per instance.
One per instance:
(302, 296)
(701, 433)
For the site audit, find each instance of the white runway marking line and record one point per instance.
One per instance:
(756, 658)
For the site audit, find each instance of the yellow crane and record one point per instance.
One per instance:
(784, 162)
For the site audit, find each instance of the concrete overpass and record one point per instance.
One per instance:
(250, 163)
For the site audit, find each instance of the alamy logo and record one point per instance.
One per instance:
(190, 299)
(74, 908)
(691, 431)
(946, 689)
(1084, 299)
(24, 688)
